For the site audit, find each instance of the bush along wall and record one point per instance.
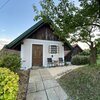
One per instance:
(8, 84)
(11, 61)
(84, 53)
(80, 60)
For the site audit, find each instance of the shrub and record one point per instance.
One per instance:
(4, 52)
(85, 53)
(8, 84)
(80, 60)
(11, 61)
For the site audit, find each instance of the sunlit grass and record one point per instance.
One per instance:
(98, 59)
(82, 83)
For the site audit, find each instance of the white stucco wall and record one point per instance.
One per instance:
(26, 51)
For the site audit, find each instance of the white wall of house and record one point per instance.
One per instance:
(26, 51)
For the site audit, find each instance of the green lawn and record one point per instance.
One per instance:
(98, 60)
(82, 83)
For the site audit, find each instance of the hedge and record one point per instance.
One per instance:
(8, 84)
(10, 60)
(80, 60)
(84, 53)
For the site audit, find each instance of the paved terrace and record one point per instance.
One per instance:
(42, 86)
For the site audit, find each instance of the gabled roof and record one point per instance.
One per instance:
(25, 34)
(76, 45)
(67, 52)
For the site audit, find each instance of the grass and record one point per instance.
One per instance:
(98, 60)
(82, 83)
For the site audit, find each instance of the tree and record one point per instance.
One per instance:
(59, 16)
(98, 46)
(87, 22)
(74, 23)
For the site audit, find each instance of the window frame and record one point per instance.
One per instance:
(53, 49)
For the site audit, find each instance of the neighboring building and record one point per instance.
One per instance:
(37, 44)
(75, 50)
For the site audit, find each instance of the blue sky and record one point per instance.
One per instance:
(16, 17)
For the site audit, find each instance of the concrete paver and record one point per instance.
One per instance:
(52, 94)
(31, 88)
(41, 95)
(39, 86)
(34, 73)
(57, 72)
(29, 96)
(60, 93)
(42, 86)
(34, 79)
(50, 83)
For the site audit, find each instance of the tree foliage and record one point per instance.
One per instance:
(87, 21)
(72, 22)
(60, 16)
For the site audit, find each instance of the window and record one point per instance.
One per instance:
(53, 49)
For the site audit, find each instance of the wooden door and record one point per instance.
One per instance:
(37, 55)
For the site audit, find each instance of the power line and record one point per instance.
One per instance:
(4, 4)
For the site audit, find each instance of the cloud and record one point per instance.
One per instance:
(4, 42)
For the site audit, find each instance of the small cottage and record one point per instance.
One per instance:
(76, 49)
(37, 44)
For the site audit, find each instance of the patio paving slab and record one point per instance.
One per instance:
(31, 88)
(39, 86)
(52, 94)
(41, 95)
(50, 83)
(57, 72)
(60, 93)
(34, 79)
(34, 73)
(42, 86)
